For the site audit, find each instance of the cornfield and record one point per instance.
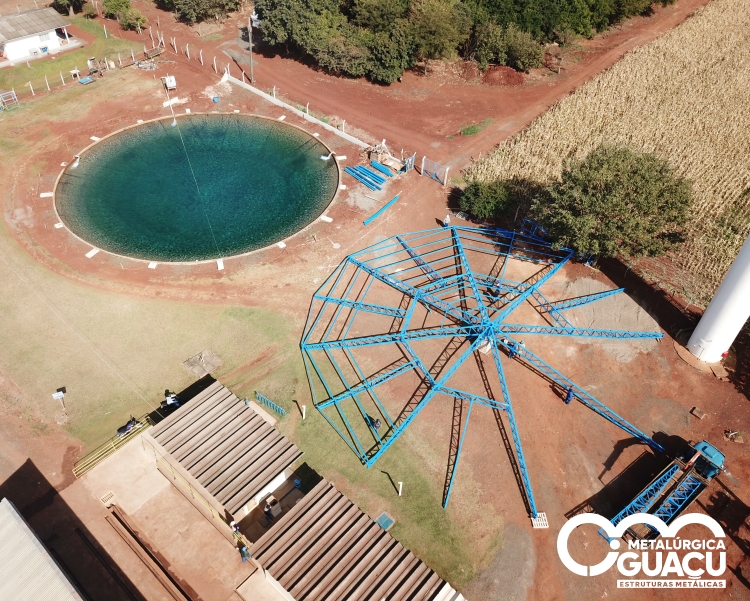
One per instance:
(684, 97)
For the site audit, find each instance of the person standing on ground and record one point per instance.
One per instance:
(569, 395)
(447, 220)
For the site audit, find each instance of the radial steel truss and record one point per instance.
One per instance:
(435, 313)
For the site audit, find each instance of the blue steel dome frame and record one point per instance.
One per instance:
(458, 276)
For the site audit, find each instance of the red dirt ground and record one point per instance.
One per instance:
(502, 76)
(654, 390)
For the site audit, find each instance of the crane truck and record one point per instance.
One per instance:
(673, 490)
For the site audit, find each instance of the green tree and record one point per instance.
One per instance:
(131, 19)
(378, 16)
(523, 52)
(616, 202)
(488, 200)
(489, 45)
(439, 27)
(111, 8)
(89, 11)
(193, 11)
(392, 52)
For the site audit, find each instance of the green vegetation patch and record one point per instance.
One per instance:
(475, 128)
(18, 77)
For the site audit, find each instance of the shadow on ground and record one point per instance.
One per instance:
(74, 548)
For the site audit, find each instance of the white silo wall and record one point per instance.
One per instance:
(727, 312)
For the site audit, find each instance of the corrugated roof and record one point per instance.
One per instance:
(326, 548)
(228, 448)
(27, 570)
(29, 23)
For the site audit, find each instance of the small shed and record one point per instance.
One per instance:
(326, 548)
(32, 34)
(222, 453)
(27, 570)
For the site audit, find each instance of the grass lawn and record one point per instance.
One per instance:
(18, 76)
(116, 353)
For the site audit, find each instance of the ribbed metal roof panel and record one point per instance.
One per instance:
(228, 448)
(27, 570)
(30, 22)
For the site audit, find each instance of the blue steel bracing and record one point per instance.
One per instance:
(680, 497)
(583, 396)
(439, 296)
(441, 332)
(562, 305)
(547, 307)
(464, 263)
(368, 384)
(419, 261)
(453, 459)
(422, 403)
(643, 502)
(511, 328)
(367, 307)
(429, 299)
(514, 430)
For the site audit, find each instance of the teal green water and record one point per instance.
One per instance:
(256, 182)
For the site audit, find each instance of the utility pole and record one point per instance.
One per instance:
(250, 40)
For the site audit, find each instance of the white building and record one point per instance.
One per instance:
(33, 34)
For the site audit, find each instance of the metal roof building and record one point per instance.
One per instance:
(326, 548)
(30, 22)
(223, 450)
(27, 570)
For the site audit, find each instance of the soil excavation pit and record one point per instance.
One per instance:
(197, 188)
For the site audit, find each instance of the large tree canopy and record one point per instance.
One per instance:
(616, 202)
(381, 38)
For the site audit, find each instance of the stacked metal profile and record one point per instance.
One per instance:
(326, 548)
(436, 313)
(230, 450)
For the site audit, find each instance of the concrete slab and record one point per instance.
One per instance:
(257, 588)
(194, 548)
(130, 474)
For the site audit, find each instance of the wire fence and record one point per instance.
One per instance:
(435, 171)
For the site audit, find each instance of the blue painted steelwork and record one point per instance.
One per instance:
(643, 502)
(584, 300)
(424, 290)
(380, 211)
(270, 404)
(681, 496)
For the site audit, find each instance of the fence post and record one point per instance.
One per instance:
(119, 59)
(47, 82)
(215, 70)
(201, 56)
(187, 50)
(343, 126)
(422, 170)
(274, 91)
(151, 35)
(32, 89)
(445, 181)
(132, 55)
(105, 31)
(62, 78)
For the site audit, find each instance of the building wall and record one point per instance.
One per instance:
(24, 48)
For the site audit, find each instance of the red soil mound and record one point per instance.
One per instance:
(502, 76)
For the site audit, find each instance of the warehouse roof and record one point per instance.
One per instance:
(30, 22)
(227, 447)
(325, 547)
(27, 570)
